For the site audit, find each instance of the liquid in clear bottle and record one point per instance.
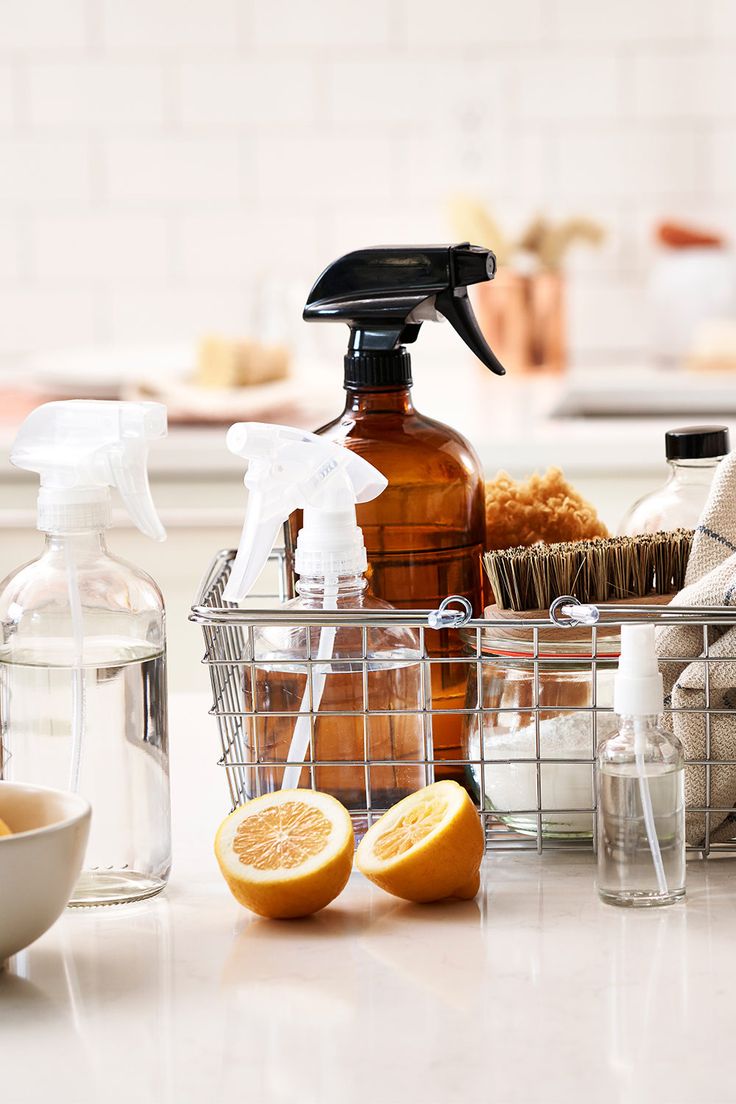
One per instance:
(385, 678)
(641, 788)
(627, 874)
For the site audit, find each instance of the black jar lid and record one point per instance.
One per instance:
(696, 442)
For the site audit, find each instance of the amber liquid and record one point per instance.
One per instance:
(341, 742)
(424, 535)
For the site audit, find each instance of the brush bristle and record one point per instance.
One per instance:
(598, 570)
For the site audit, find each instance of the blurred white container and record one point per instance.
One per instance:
(688, 287)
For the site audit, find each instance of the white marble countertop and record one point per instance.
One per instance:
(532, 992)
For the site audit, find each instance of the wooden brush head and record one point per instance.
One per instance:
(600, 570)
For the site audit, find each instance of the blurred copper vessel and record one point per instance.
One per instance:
(523, 317)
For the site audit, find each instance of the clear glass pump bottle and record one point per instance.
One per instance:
(693, 453)
(641, 788)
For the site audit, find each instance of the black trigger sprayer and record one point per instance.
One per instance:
(385, 293)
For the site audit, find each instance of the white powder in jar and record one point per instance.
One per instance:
(511, 788)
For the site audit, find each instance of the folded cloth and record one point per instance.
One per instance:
(710, 581)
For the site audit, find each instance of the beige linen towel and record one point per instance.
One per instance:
(710, 581)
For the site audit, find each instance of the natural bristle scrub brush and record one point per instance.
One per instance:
(612, 569)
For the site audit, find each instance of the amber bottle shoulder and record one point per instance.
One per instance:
(409, 442)
(434, 499)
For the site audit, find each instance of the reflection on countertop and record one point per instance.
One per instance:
(533, 992)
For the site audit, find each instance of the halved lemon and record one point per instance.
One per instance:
(4, 829)
(287, 853)
(427, 847)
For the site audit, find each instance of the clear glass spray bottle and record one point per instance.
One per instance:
(308, 689)
(83, 647)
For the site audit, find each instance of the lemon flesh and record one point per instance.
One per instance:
(286, 854)
(4, 829)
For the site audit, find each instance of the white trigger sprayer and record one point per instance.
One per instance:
(291, 469)
(80, 449)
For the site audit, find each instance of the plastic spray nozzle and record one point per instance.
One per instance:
(291, 469)
(385, 293)
(81, 448)
(638, 682)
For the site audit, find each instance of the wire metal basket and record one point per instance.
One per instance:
(536, 767)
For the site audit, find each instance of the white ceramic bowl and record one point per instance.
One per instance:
(40, 862)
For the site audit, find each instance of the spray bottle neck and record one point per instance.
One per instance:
(314, 587)
(384, 400)
(630, 723)
(86, 543)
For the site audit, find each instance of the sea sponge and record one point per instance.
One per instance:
(541, 508)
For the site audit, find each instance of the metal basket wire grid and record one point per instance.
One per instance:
(538, 824)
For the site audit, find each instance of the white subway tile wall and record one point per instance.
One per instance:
(160, 158)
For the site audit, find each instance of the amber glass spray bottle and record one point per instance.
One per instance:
(426, 533)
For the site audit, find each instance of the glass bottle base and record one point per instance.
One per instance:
(572, 826)
(640, 898)
(113, 887)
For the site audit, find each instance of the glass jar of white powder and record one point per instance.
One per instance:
(532, 751)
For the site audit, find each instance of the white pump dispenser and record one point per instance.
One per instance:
(82, 644)
(637, 687)
(80, 449)
(640, 787)
(291, 469)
